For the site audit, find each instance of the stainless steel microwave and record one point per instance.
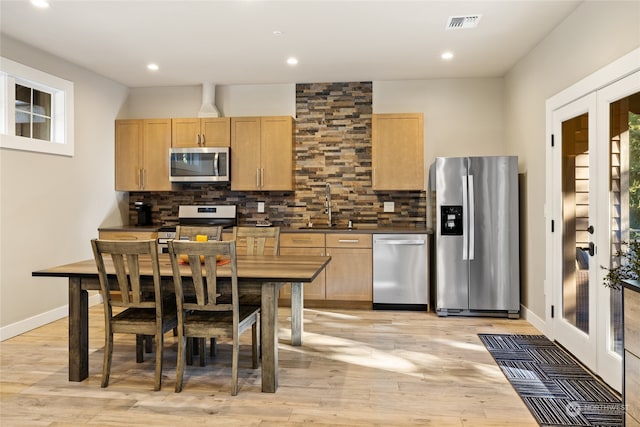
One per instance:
(199, 164)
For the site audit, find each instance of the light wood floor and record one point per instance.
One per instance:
(355, 368)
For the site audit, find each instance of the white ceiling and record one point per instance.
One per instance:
(232, 42)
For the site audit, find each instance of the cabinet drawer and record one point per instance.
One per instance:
(302, 240)
(128, 235)
(348, 240)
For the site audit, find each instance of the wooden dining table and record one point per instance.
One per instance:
(261, 276)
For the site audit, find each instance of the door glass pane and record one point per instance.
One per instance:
(575, 212)
(624, 149)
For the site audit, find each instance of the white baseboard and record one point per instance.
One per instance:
(41, 319)
(534, 319)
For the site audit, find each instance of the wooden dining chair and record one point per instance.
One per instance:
(210, 315)
(189, 232)
(257, 239)
(143, 313)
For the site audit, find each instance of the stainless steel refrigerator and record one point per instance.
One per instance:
(477, 270)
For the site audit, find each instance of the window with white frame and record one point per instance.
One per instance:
(38, 110)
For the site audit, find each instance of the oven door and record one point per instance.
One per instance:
(199, 164)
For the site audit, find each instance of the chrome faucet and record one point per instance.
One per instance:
(327, 203)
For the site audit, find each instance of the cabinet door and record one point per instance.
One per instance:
(311, 291)
(349, 275)
(398, 151)
(277, 153)
(157, 142)
(216, 131)
(184, 132)
(128, 153)
(245, 153)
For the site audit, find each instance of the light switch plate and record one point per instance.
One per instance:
(389, 206)
(260, 207)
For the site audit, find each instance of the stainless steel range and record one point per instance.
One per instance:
(224, 215)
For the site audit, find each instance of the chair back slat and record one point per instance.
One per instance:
(205, 286)
(126, 258)
(189, 232)
(257, 238)
(198, 279)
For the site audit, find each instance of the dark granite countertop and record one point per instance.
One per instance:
(633, 285)
(149, 228)
(368, 229)
(356, 230)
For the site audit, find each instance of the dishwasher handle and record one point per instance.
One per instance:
(400, 242)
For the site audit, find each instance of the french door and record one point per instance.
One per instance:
(576, 175)
(595, 172)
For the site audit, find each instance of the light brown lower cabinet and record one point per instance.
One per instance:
(304, 244)
(348, 276)
(350, 272)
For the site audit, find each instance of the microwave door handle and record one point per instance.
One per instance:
(216, 164)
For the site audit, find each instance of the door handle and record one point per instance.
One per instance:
(472, 219)
(400, 242)
(592, 248)
(590, 229)
(465, 213)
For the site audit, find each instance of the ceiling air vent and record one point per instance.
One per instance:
(463, 22)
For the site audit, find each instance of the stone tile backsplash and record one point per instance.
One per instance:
(333, 145)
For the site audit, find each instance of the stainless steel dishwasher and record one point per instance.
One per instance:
(400, 271)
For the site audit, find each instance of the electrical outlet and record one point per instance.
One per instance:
(260, 207)
(389, 206)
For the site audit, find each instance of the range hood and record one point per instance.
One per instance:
(208, 108)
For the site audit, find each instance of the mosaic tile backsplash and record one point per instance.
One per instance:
(332, 146)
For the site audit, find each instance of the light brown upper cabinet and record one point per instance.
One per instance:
(262, 153)
(397, 151)
(142, 155)
(204, 132)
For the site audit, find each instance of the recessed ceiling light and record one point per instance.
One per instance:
(277, 32)
(292, 61)
(153, 67)
(447, 55)
(40, 3)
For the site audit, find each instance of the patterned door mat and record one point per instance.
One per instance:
(556, 389)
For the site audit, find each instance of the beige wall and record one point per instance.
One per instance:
(594, 35)
(477, 103)
(52, 205)
(462, 117)
(231, 101)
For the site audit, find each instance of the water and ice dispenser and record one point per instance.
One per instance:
(451, 220)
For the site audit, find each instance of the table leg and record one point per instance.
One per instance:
(269, 318)
(297, 307)
(78, 331)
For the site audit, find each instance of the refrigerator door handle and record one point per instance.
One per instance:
(472, 220)
(465, 224)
